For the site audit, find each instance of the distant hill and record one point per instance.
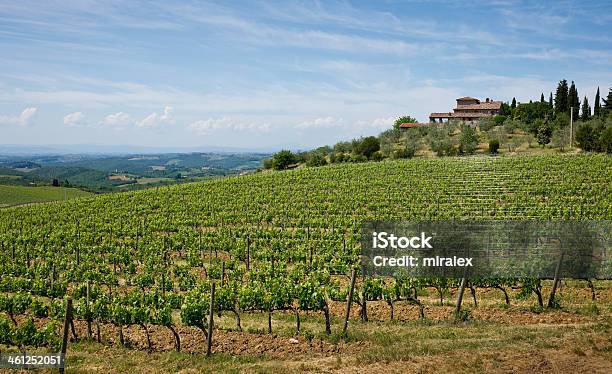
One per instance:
(106, 173)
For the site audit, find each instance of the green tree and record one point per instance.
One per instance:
(367, 146)
(608, 101)
(573, 101)
(586, 136)
(513, 105)
(403, 119)
(343, 147)
(499, 120)
(505, 109)
(544, 132)
(561, 100)
(561, 120)
(542, 100)
(597, 105)
(550, 101)
(441, 142)
(377, 156)
(560, 138)
(493, 146)
(281, 160)
(389, 138)
(605, 140)
(586, 110)
(316, 160)
(530, 112)
(468, 140)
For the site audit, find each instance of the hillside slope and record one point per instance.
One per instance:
(17, 195)
(545, 187)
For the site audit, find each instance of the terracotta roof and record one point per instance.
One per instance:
(410, 125)
(465, 98)
(493, 105)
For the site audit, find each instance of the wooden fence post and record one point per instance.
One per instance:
(551, 299)
(67, 322)
(460, 296)
(210, 319)
(88, 310)
(248, 259)
(349, 301)
(222, 272)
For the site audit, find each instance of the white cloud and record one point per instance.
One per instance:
(204, 127)
(322, 122)
(74, 119)
(21, 120)
(117, 119)
(154, 119)
(382, 123)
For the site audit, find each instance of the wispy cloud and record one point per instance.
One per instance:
(204, 127)
(117, 119)
(154, 119)
(22, 119)
(353, 127)
(322, 122)
(75, 119)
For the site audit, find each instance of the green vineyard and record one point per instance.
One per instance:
(281, 242)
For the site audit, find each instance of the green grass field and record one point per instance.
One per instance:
(18, 195)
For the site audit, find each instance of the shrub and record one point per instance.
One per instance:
(499, 120)
(404, 152)
(493, 146)
(468, 140)
(281, 160)
(377, 156)
(358, 158)
(605, 140)
(560, 138)
(486, 124)
(509, 127)
(316, 160)
(586, 137)
(367, 146)
(544, 133)
(441, 142)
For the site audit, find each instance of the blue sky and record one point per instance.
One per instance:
(264, 74)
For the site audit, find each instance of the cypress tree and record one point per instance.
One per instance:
(608, 101)
(573, 101)
(561, 97)
(550, 101)
(586, 110)
(597, 105)
(542, 98)
(513, 105)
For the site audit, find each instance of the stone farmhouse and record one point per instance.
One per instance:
(469, 109)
